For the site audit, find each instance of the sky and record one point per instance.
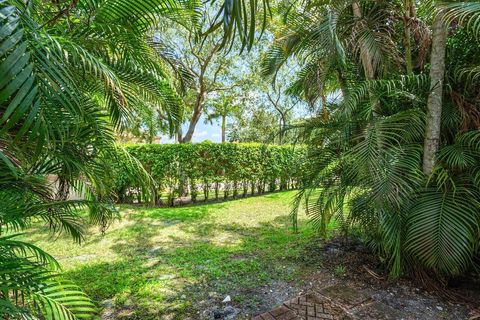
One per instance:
(213, 132)
(203, 131)
(240, 66)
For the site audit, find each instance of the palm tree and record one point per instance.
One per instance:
(366, 160)
(435, 98)
(72, 74)
(221, 108)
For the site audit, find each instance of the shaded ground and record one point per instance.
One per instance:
(349, 265)
(182, 263)
(353, 278)
(172, 263)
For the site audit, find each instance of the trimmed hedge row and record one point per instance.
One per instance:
(213, 170)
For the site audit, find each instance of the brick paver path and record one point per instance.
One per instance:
(311, 306)
(332, 303)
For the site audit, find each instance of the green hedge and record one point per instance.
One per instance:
(210, 170)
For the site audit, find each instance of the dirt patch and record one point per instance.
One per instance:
(253, 301)
(353, 277)
(349, 264)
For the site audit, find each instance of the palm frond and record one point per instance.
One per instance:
(466, 13)
(239, 19)
(30, 290)
(442, 229)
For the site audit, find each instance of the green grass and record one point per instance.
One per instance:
(159, 261)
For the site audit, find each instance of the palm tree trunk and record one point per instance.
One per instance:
(364, 54)
(434, 103)
(409, 14)
(224, 123)
(325, 113)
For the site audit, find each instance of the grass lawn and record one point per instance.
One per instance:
(166, 263)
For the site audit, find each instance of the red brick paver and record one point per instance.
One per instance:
(311, 306)
(280, 313)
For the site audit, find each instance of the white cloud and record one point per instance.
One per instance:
(200, 134)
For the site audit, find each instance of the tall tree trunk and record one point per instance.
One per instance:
(197, 112)
(179, 134)
(193, 123)
(224, 124)
(283, 124)
(364, 54)
(409, 14)
(435, 98)
(151, 134)
(325, 113)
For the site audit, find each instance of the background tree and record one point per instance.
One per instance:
(254, 125)
(210, 69)
(222, 107)
(284, 105)
(269, 106)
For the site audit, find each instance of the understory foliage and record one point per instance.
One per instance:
(70, 75)
(73, 74)
(208, 168)
(370, 175)
(365, 153)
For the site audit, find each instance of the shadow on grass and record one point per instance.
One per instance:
(207, 261)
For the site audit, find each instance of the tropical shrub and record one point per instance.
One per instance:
(397, 157)
(71, 73)
(231, 168)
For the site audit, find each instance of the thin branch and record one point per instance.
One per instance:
(62, 12)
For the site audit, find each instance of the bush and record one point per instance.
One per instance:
(209, 168)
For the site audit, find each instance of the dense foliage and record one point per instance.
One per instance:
(72, 75)
(232, 169)
(398, 158)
